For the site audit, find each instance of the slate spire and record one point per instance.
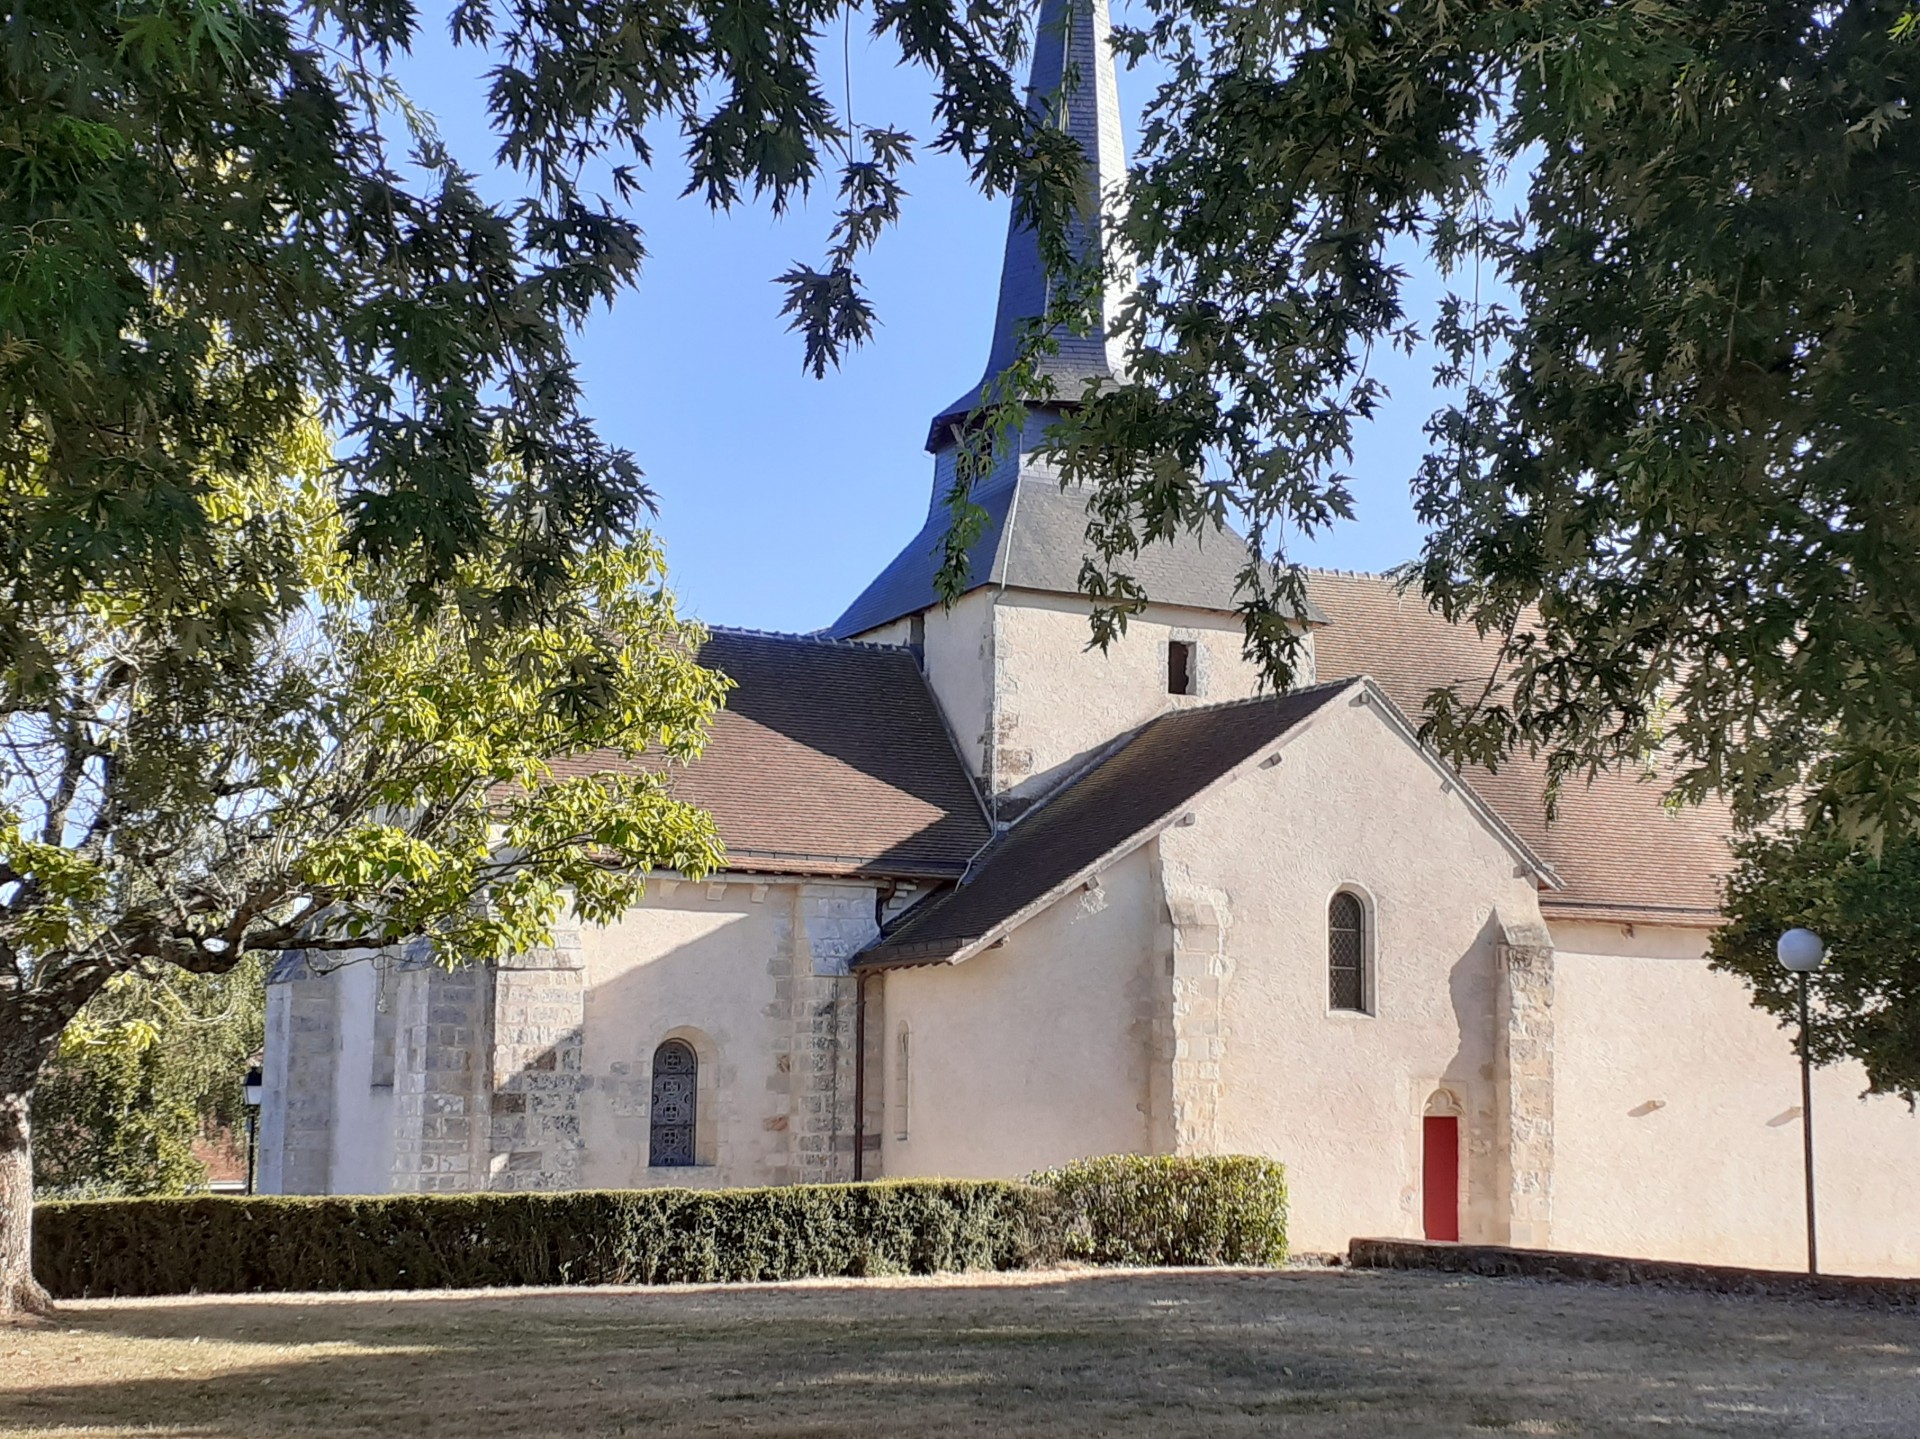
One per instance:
(1033, 536)
(1073, 81)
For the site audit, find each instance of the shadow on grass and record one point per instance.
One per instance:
(1309, 1353)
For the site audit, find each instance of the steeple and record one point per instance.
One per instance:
(1034, 535)
(1072, 85)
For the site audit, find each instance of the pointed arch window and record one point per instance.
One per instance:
(676, 1074)
(1347, 950)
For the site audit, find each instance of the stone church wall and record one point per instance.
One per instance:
(1059, 702)
(1678, 1129)
(1339, 1097)
(537, 1073)
(709, 964)
(1038, 1051)
(296, 1118)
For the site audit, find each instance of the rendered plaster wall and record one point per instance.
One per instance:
(362, 1160)
(1679, 1120)
(1036, 1052)
(753, 976)
(700, 963)
(1059, 701)
(1267, 1068)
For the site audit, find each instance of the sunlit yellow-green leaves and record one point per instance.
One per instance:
(289, 749)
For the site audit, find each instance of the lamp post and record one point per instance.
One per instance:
(1802, 951)
(250, 1090)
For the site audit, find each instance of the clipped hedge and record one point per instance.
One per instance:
(107, 1247)
(1135, 1209)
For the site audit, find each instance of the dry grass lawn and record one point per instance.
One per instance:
(1304, 1352)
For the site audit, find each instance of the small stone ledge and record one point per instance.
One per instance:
(1496, 1261)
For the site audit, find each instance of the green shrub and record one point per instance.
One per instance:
(1135, 1209)
(649, 1236)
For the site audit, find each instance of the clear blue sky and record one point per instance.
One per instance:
(780, 495)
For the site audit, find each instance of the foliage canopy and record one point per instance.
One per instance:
(261, 691)
(1863, 905)
(147, 1069)
(356, 775)
(289, 754)
(1678, 471)
(181, 177)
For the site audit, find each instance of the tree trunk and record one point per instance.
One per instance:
(19, 1291)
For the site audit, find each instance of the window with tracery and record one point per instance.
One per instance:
(676, 1074)
(1346, 952)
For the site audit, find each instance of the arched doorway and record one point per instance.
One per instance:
(1440, 1167)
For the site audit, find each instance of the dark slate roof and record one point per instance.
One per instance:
(1138, 788)
(1035, 535)
(1034, 539)
(1070, 38)
(829, 758)
(1619, 852)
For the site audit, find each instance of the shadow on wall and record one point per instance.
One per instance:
(771, 1046)
(1471, 1076)
(571, 1104)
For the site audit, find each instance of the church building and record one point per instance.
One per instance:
(995, 900)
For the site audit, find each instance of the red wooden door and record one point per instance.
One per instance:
(1440, 1176)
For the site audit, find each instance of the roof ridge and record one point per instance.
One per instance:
(1119, 826)
(811, 637)
(1120, 741)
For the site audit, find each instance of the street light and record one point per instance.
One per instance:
(252, 1089)
(1802, 951)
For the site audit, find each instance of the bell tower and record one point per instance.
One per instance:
(1026, 699)
(1073, 86)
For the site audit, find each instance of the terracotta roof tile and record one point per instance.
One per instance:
(829, 758)
(1136, 788)
(1620, 851)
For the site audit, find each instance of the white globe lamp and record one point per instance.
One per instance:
(1801, 950)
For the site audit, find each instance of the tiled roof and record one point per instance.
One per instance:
(829, 758)
(1620, 852)
(1137, 788)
